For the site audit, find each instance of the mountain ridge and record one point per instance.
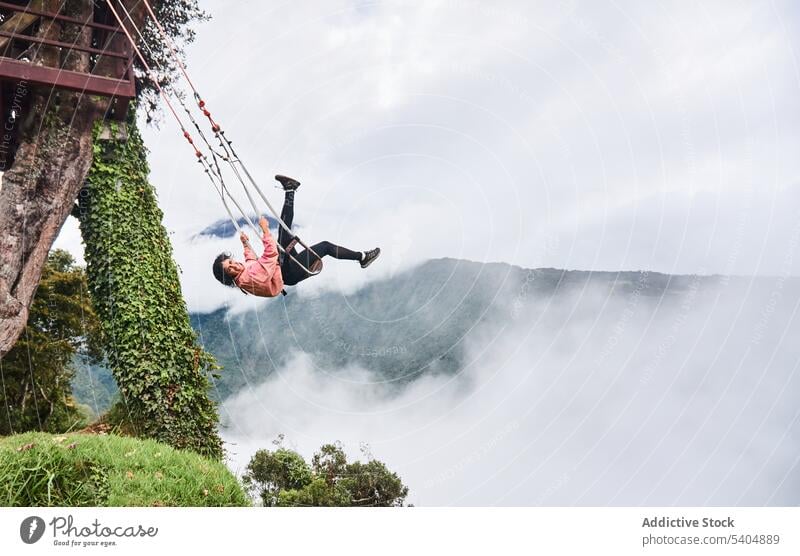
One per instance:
(414, 323)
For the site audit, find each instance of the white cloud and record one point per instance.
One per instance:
(580, 399)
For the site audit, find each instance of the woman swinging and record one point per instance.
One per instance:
(266, 276)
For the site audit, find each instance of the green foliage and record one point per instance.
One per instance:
(38, 469)
(283, 478)
(274, 472)
(161, 372)
(36, 393)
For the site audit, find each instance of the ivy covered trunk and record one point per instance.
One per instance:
(162, 373)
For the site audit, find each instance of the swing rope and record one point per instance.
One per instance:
(230, 156)
(213, 173)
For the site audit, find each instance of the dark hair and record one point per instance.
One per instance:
(219, 272)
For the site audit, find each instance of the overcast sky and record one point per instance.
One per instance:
(584, 135)
(579, 135)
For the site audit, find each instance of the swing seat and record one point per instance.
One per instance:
(316, 265)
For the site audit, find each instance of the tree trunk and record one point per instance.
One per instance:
(49, 169)
(37, 195)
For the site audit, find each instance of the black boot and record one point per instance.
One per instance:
(370, 256)
(289, 184)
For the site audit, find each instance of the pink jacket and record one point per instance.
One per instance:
(261, 276)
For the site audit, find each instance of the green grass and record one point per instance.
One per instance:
(40, 469)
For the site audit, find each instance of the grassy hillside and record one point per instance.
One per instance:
(38, 469)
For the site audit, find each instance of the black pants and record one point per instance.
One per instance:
(293, 272)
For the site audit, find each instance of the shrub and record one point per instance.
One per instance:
(283, 478)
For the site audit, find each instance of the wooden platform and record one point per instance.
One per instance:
(64, 79)
(111, 73)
